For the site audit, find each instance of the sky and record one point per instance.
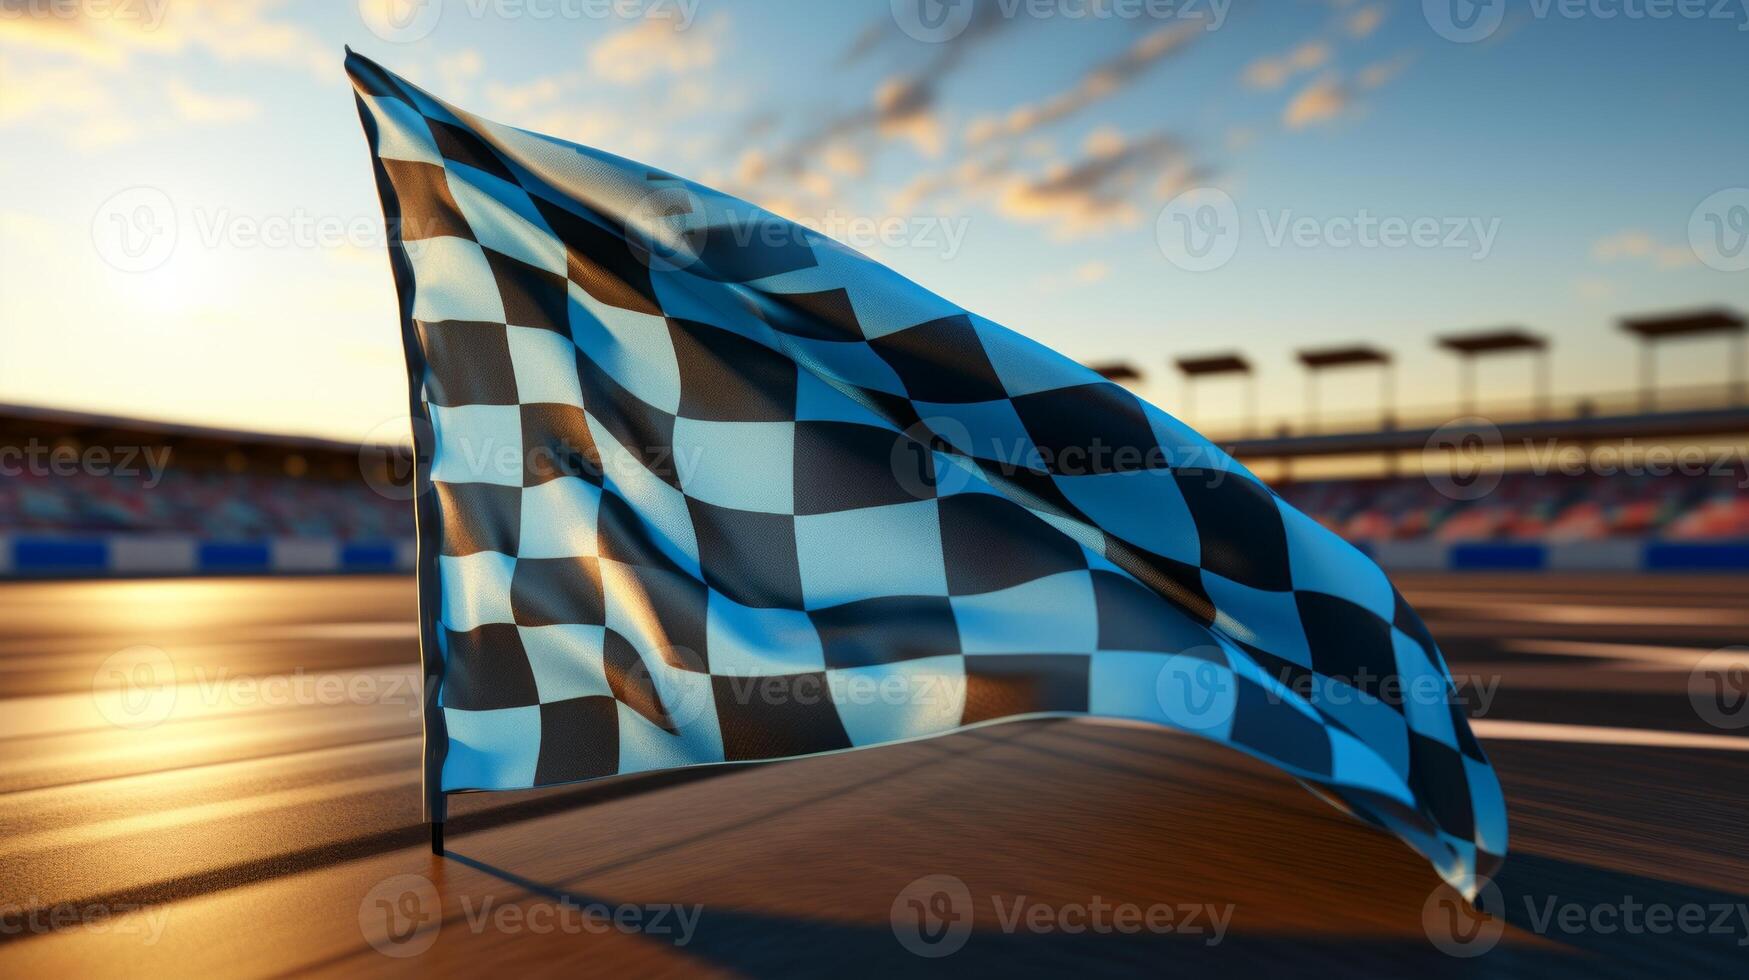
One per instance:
(190, 230)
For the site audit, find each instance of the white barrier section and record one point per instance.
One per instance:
(304, 555)
(1412, 555)
(130, 555)
(1596, 556)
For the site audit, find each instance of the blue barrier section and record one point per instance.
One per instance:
(1497, 557)
(368, 556)
(233, 556)
(49, 556)
(1685, 557)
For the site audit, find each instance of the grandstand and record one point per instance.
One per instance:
(1417, 488)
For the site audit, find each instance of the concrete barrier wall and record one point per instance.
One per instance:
(59, 555)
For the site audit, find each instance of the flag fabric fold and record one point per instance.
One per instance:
(707, 486)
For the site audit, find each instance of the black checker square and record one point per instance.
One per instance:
(1133, 617)
(556, 443)
(886, 630)
(622, 536)
(846, 466)
(631, 682)
(533, 297)
(748, 556)
(754, 247)
(487, 668)
(941, 361)
(461, 146)
(725, 377)
(467, 362)
(478, 517)
(825, 315)
(1090, 430)
(428, 209)
(1240, 530)
(1260, 722)
(676, 604)
(1349, 643)
(1439, 778)
(598, 259)
(579, 739)
(777, 716)
(1012, 684)
(990, 542)
(644, 431)
(557, 592)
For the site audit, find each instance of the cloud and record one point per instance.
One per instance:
(1273, 72)
(1100, 82)
(112, 35)
(656, 46)
(1094, 193)
(1363, 22)
(1320, 102)
(1633, 245)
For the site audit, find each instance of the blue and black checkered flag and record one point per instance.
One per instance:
(707, 486)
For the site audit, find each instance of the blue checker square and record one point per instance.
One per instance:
(496, 749)
(870, 552)
(1334, 567)
(501, 226)
(740, 465)
(989, 430)
(748, 642)
(906, 699)
(1144, 507)
(1259, 618)
(1054, 614)
(566, 660)
(477, 444)
(559, 519)
(634, 349)
(453, 268)
(476, 589)
(545, 366)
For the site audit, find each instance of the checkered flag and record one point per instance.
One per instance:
(710, 487)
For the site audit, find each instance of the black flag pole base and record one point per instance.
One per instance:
(437, 837)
